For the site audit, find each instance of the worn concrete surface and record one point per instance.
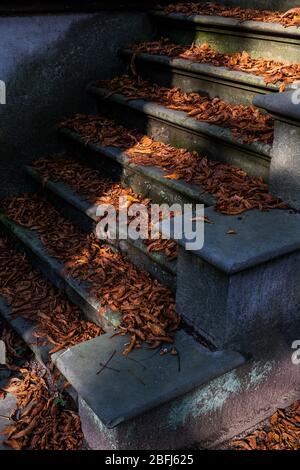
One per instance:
(285, 163)
(284, 106)
(245, 285)
(46, 61)
(260, 237)
(134, 384)
(210, 414)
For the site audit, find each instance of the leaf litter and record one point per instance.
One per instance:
(235, 191)
(147, 307)
(98, 189)
(44, 418)
(246, 123)
(282, 432)
(272, 71)
(289, 18)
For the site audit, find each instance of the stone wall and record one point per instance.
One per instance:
(46, 60)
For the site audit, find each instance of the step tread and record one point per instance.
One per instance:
(193, 67)
(260, 237)
(195, 192)
(116, 397)
(281, 105)
(31, 242)
(259, 27)
(179, 118)
(71, 197)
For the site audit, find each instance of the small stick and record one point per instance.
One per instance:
(107, 367)
(107, 362)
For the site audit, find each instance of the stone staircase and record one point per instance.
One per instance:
(238, 295)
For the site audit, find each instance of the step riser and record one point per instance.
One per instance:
(253, 163)
(239, 308)
(85, 222)
(141, 183)
(53, 271)
(231, 91)
(230, 41)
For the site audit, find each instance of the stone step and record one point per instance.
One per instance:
(54, 270)
(126, 404)
(259, 39)
(230, 85)
(41, 349)
(150, 182)
(176, 128)
(246, 275)
(83, 214)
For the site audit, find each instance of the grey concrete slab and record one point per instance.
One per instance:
(260, 237)
(144, 380)
(284, 106)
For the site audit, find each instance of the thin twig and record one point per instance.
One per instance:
(109, 368)
(107, 362)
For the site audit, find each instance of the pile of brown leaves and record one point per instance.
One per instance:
(290, 18)
(270, 70)
(96, 130)
(147, 307)
(31, 296)
(281, 433)
(43, 423)
(246, 122)
(97, 189)
(234, 191)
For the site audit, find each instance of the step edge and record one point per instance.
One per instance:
(181, 119)
(260, 27)
(235, 357)
(206, 69)
(232, 267)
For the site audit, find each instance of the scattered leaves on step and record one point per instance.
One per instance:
(272, 71)
(42, 424)
(92, 186)
(246, 123)
(31, 296)
(281, 433)
(235, 192)
(96, 130)
(290, 18)
(147, 307)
